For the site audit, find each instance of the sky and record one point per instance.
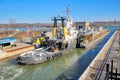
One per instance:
(42, 11)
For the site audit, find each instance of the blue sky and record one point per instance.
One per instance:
(39, 11)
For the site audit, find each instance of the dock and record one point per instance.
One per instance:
(12, 51)
(112, 55)
(110, 52)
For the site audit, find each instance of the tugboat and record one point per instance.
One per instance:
(37, 56)
(32, 57)
(63, 39)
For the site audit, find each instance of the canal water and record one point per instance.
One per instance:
(68, 67)
(10, 70)
(31, 28)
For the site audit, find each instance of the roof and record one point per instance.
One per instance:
(7, 40)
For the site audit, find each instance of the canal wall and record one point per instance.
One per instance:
(96, 38)
(100, 56)
(16, 51)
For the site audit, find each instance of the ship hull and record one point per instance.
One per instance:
(38, 58)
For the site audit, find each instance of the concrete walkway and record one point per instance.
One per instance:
(114, 54)
(97, 70)
(12, 51)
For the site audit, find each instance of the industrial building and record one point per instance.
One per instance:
(7, 42)
(83, 25)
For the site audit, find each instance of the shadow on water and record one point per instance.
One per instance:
(76, 70)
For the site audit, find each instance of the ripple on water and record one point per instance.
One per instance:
(9, 72)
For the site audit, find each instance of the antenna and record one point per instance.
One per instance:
(68, 11)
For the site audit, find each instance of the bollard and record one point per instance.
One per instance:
(111, 69)
(107, 72)
(116, 74)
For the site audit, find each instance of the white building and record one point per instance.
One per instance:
(83, 25)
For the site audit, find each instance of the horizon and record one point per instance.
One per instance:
(41, 11)
(60, 22)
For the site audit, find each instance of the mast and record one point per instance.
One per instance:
(68, 11)
(69, 19)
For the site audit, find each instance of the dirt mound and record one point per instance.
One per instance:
(19, 34)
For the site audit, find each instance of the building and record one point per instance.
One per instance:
(83, 25)
(5, 42)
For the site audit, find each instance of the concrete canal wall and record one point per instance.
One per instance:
(16, 51)
(100, 56)
(96, 38)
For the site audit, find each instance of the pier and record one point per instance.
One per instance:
(97, 69)
(16, 51)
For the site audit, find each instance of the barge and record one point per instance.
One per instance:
(90, 37)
